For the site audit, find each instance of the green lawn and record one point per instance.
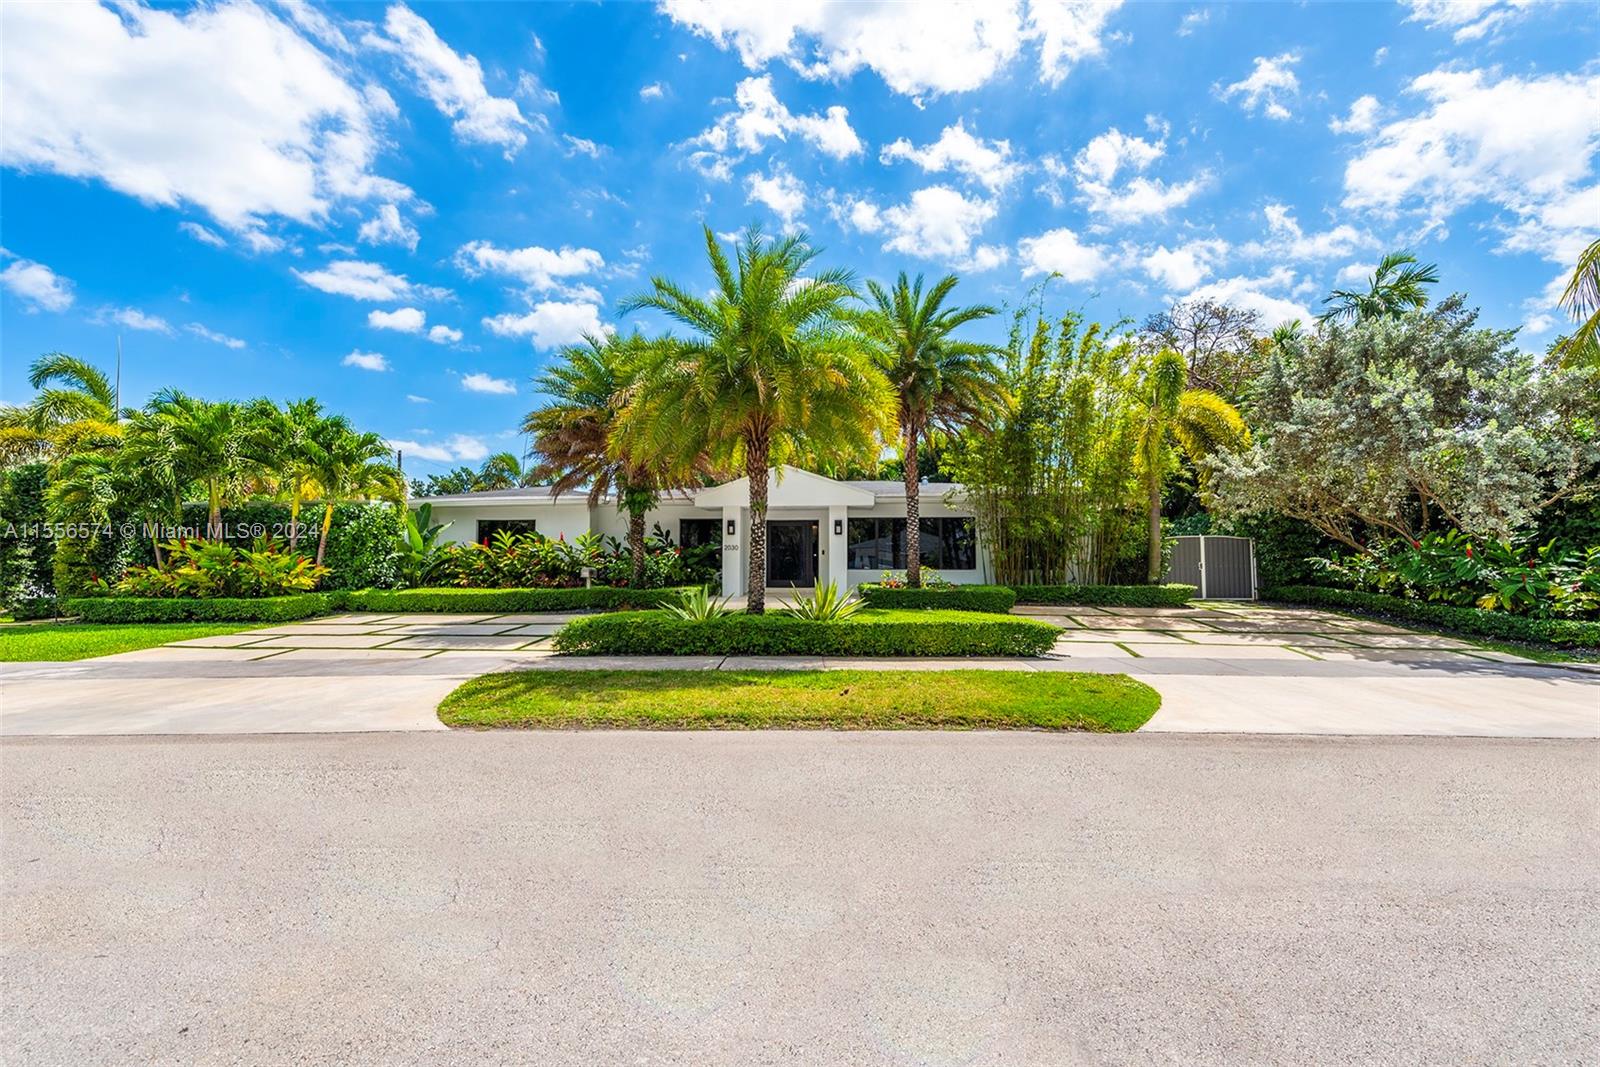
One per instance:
(835, 700)
(85, 640)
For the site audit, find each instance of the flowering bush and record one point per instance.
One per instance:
(1546, 582)
(534, 561)
(196, 570)
(931, 579)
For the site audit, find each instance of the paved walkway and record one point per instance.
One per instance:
(1218, 667)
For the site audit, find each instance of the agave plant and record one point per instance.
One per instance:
(698, 605)
(828, 605)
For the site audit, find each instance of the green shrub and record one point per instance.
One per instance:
(1566, 633)
(1123, 596)
(503, 601)
(995, 599)
(206, 570)
(126, 609)
(869, 633)
(27, 609)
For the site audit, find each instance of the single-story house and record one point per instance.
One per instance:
(819, 530)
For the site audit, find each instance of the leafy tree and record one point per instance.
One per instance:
(1220, 343)
(75, 402)
(1399, 284)
(1582, 301)
(503, 470)
(942, 385)
(1399, 425)
(350, 466)
(459, 480)
(768, 373)
(286, 441)
(1169, 418)
(211, 447)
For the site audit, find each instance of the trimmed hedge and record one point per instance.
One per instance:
(27, 609)
(995, 599)
(217, 609)
(503, 601)
(1566, 633)
(1120, 596)
(654, 633)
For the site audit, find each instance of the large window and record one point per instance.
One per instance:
(880, 544)
(692, 533)
(487, 528)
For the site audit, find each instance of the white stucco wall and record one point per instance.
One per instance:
(551, 520)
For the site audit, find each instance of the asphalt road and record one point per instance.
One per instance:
(811, 898)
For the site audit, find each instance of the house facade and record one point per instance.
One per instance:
(819, 529)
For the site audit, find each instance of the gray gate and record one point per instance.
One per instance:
(1222, 568)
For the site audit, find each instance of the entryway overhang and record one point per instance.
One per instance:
(788, 487)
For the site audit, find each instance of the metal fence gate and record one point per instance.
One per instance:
(1222, 568)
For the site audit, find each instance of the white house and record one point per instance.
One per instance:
(818, 530)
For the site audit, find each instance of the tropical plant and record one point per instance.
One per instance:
(1170, 418)
(202, 569)
(697, 605)
(767, 374)
(941, 384)
(419, 542)
(287, 442)
(503, 470)
(1581, 299)
(211, 447)
(350, 465)
(75, 402)
(826, 605)
(1398, 284)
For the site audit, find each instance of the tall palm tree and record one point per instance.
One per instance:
(1196, 421)
(211, 439)
(941, 384)
(149, 473)
(575, 437)
(351, 466)
(76, 401)
(768, 373)
(1399, 284)
(286, 441)
(503, 470)
(1582, 302)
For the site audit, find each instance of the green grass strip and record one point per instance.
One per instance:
(62, 641)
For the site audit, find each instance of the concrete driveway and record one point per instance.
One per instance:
(798, 898)
(1229, 668)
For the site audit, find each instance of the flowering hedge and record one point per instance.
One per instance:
(533, 561)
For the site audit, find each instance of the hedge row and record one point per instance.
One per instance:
(27, 609)
(996, 599)
(651, 633)
(1123, 596)
(1567, 633)
(502, 601)
(217, 609)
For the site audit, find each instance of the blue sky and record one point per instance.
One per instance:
(403, 210)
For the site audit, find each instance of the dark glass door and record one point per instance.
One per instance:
(792, 553)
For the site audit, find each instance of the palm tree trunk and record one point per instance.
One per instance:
(322, 538)
(636, 543)
(1154, 570)
(755, 469)
(294, 518)
(913, 511)
(214, 519)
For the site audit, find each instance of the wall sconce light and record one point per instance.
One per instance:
(730, 527)
(838, 527)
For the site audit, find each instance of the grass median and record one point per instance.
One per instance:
(61, 641)
(791, 700)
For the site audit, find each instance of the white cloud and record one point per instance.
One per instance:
(1525, 145)
(759, 116)
(134, 319)
(986, 257)
(1183, 267)
(1193, 21)
(203, 234)
(987, 162)
(456, 448)
(581, 146)
(781, 192)
(255, 121)
(1098, 164)
(1467, 20)
(653, 91)
(478, 382)
(935, 223)
(444, 335)
(366, 361)
(1060, 252)
(452, 81)
(1270, 83)
(415, 399)
(551, 323)
(36, 285)
(915, 48)
(388, 228)
(1287, 242)
(202, 331)
(1351, 273)
(539, 268)
(1256, 294)
(1363, 117)
(364, 281)
(405, 320)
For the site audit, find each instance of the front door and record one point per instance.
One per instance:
(792, 554)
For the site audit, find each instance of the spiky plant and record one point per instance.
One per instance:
(1399, 284)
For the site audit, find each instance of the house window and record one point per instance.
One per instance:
(487, 528)
(880, 544)
(692, 533)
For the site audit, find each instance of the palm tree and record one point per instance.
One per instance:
(768, 373)
(1582, 301)
(286, 442)
(503, 470)
(75, 402)
(941, 384)
(1198, 422)
(351, 466)
(211, 443)
(151, 483)
(1397, 286)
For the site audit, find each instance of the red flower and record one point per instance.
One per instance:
(1469, 551)
(1416, 544)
